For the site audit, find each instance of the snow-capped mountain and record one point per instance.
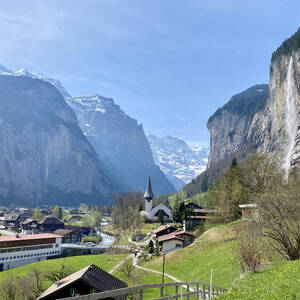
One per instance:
(120, 143)
(24, 72)
(177, 160)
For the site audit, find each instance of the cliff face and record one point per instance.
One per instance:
(273, 128)
(44, 157)
(120, 143)
(233, 126)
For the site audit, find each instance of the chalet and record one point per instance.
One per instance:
(89, 280)
(198, 215)
(19, 250)
(29, 226)
(164, 229)
(46, 212)
(69, 236)
(50, 224)
(175, 240)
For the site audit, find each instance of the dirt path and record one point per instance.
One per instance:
(116, 267)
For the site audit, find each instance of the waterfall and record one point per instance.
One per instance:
(290, 119)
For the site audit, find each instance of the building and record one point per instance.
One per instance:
(175, 240)
(164, 229)
(29, 226)
(198, 215)
(151, 212)
(249, 211)
(50, 224)
(89, 280)
(19, 250)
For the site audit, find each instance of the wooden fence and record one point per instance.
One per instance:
(200, 290)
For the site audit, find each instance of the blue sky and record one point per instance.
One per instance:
(168, 63)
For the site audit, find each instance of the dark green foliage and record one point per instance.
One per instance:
(161, 217)
(246, 103)
(93, 239)
(288, 46)
(180, 212)
(151, 247)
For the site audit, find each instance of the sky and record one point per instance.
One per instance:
(168, 63)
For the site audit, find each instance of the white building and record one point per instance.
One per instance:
(152, 213)
(170, 242)
(19, 250)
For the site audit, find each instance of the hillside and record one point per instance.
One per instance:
(212, 250)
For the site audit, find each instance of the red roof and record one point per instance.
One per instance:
(23, 237)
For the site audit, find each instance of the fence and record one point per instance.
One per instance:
(201, 290)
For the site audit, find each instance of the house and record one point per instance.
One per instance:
(170, 242)
(175, 240)
(152, 213)
(198, 215)
(164, 229)
(249, 211)
(90, 279)
(50, 224)
(69, 236)
(46, 212)
(29, 226)
(19, 250)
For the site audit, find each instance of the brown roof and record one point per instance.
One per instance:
(62, 232)
(170, 236)
(28, 221)
(92, 276)
(182, 232)
(163, 227)
(51, 220)
(23, 237)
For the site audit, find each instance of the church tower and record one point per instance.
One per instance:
(149, 199)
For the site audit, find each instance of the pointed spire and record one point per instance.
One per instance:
(149, 194)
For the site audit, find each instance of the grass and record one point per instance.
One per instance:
(104, 261)
(148, 278)
(280, 281)
(200, 199)
(213, 250)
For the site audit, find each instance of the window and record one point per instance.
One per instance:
(73, 292)
(178, 245)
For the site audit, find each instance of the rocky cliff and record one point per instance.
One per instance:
(120, 143)
(44, 158)
(268, 123)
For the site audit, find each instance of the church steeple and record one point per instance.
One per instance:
(149, 194)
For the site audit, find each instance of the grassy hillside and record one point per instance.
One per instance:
(212, 250)
(104, 261)
(280, 281)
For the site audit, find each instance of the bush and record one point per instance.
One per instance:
(249, 247)
(93, 239)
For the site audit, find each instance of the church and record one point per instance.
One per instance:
(151, 212)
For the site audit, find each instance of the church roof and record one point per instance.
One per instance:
(149, 194)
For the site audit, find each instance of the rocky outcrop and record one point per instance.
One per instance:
(45, 158)
(120, 143)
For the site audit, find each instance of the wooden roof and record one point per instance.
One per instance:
(92, 276)
(162, 228)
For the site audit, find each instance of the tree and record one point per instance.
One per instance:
(62, 272)
(151, 247)
(8, 288)
(181, 212)
(130, 274)
(161, 217)
(279, 216)
(97, 215)
(56, 212)
(37, 214)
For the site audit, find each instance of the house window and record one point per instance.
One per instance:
(73, 292)
(178, 245)
(93, 290)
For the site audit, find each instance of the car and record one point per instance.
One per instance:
(90, 244)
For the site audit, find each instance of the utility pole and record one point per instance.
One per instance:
(163, 277)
